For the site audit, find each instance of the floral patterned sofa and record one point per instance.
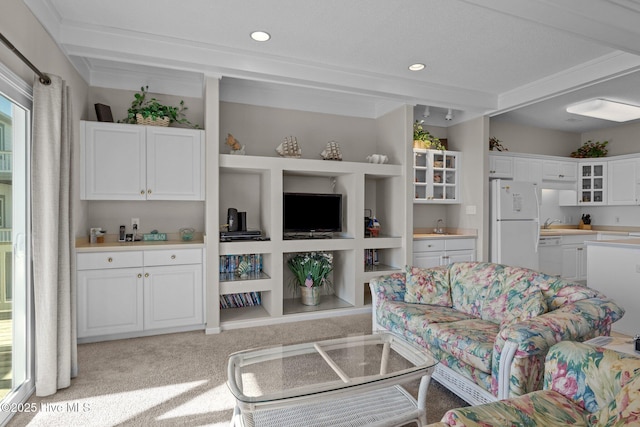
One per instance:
(583, 386)
(489, 325)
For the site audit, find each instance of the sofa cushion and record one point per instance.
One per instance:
(469, 340)
(539, 408)
(469, 282)
(521, 301)
(428, 286)
(559, 292)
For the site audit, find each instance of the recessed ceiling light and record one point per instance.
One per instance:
(417, 67)
(607, 110)
(260, 36)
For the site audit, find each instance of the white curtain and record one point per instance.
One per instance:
(53, 246)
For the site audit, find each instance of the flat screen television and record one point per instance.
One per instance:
(311, 213)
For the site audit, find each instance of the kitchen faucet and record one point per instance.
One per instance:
(439, 229)
(549, 221)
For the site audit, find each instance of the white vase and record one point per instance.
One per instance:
(310, 296)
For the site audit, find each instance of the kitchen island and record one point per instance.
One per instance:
(614, 270)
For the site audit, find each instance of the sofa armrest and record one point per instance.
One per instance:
(532, 338)
(385, 288)
(589, 376)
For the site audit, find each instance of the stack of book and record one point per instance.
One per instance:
(229, 263)
(371, 257)
(247, 299)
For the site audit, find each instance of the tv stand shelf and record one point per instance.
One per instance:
(257, 184)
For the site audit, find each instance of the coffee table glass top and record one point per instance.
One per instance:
(289, 371)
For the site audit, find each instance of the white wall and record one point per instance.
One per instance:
(623, 139)
(29, 37)
(527, 139)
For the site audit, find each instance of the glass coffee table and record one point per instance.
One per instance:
(349, 381)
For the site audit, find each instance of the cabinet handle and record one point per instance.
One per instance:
(580, 249)
(142, 192)
(146, 274)
(149, 191)
(139, 275)
(173, 257)
(561, 176)
(109, 259)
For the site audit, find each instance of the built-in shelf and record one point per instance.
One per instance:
(327, 302)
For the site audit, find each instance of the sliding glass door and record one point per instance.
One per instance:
(16, 345)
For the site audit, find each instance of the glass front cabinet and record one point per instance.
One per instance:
(436, 176)
(592, 183)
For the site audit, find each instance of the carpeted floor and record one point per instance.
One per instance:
(179, 379)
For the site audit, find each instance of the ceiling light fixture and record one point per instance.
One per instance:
(417, 67)
(607, 110)
(449, 115)
(427, 112)
(260, 36)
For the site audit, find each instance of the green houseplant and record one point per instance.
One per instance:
(311, 274)
(145, 107)
(423, 139)
(591, 149)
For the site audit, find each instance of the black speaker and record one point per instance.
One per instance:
(242, 221)
(232, 219)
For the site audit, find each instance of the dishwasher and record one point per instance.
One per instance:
(550, 255)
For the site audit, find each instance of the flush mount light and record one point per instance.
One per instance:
(417, 67)
(260, 36)
(607, 110)
(449, 115)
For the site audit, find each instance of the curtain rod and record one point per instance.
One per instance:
(44, 79)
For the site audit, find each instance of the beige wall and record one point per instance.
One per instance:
(527, 139)
(623, 139)
(29, 37)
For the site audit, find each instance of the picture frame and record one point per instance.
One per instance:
(103, 113)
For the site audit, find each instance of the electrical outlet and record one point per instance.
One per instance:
(617, 219)
(135, 223)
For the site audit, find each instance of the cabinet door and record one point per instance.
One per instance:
(582, 262)
(526, 169)
(459, 256)
(500, 167)
(109, 301)
(570, 263)
(175, 164)
(553, 170)
(427, 259)
(623, 182)
(113, 161)
(592, 183)
(173, 296)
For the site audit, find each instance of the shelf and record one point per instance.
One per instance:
(242, 314)
(380, 269)
(327, 302)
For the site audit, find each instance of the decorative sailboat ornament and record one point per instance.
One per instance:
(332, 152)
(289, 148)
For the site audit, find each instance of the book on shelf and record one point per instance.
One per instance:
(230, 263)
(371, 257)
(246, 299)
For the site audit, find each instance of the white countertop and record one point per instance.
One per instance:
(624, 243)
(110, 244)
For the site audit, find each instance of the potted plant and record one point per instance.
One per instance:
(591, 149)
(150, 111)
(423, 139)
(311, 271)
(496, 144)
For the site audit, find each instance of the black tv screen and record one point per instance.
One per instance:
(312, 212)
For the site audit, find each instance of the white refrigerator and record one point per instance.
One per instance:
(515, 224)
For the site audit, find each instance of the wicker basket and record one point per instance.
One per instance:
(150, 121)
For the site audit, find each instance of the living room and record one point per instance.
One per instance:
(316, 107)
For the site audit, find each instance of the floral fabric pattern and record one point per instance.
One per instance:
(428, 286)
(493, 305)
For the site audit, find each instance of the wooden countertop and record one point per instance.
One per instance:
(623, 243)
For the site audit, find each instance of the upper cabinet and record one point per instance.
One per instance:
(500, 167)
(559, 170)
(592, 183)
(436, 176)
(624, 182)
(135, 162)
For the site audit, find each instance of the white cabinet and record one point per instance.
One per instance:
(592, 183)
(574, 262)
(134, 162)
(434, 252)
(135, 291)
(501, 166)
(559, 170)
(624, 182)
(527, 169)
(436, 176)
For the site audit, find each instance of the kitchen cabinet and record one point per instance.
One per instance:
(135, 162)
(501, 166)
(434, 252)
(436, 176)
(592, 183)
(559, 170)
(624, 182)
(574, 262)
(527, 169)
(134, 292)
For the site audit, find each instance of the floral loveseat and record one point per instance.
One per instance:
(489, 325)
(583, 386)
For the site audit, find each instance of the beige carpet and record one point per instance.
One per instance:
(179, 379)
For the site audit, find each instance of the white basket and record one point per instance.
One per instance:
(150, 121)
